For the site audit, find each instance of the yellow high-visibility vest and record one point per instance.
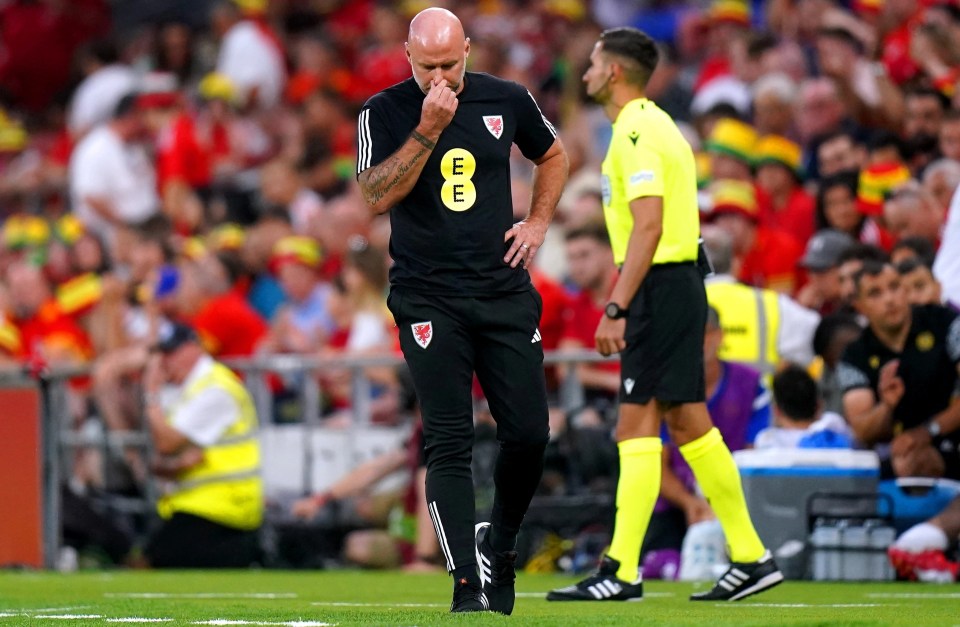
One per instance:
(226, 487)
(750, 319)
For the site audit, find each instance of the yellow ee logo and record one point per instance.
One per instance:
(925, 341)
(458, 167)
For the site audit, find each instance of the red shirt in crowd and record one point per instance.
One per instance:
(772, 262)
(797, 217)
(580, 323)
(52, 334)
(181, 156)
(229, 327)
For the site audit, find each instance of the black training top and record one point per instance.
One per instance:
(447, 234)
(928, 365)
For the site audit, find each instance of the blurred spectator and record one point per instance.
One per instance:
(731, 145)
(762, 328)
(920, 552)
(383, 61)
(940, 179)
(821, 260)
(774, 99)
(264, 292)
(411, 542)
(764, 257)
(851, 262)
(798, 421)
(868, 95)
(875, 183)
(47, 335)
(820, 111)
(112, 181)
(251, 54)
(899, 377)
(106, 81)
(183, 162)
(779, 174)
(918, 248)
(911, 211)
(840, 152)
(922, 287)
(924, 110)
(304, 324)
(836, 205)
(206, 296)
(834, 333)
(949, 136)
(205, 435)
(174, 52)
(592, 273)
(282, 186)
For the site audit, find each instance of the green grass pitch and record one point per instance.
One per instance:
(315, 599)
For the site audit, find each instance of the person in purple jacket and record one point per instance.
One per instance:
(739, 405)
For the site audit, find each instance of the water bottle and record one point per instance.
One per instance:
(856, 557)
(881, 537)
(824, 539)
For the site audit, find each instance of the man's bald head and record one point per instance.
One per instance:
(434, 27)
(437, 48)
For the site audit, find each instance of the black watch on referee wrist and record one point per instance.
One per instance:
(614, 311)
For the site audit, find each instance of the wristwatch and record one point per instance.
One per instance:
(933, 428)
(615, 311)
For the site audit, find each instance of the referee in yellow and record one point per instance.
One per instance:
(656, 318)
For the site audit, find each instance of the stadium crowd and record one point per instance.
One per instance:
(199, 166)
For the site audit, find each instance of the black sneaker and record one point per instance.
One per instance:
(604, 585)
(497, 572)
(742, 580)
(468, 597)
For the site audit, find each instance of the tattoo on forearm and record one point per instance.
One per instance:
(423, 140)
(387, 175)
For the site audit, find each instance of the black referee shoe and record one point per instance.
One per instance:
(604, 585)
(497, 572)
(742, 580)
(468, 597)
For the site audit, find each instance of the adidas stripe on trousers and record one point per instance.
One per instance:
(497, 338)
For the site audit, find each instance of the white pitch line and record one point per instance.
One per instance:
(914, 595)
(293, 623)
(351, 604)
(803, 605)
(67, 616)
(139, 621)
(200, 595)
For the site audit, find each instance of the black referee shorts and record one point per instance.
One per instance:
(664, 335)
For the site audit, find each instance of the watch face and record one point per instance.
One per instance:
(612, 310)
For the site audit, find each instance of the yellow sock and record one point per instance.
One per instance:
(637, 492)
(719, 479)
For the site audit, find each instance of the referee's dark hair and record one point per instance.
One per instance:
(634, 45)
(795, 393)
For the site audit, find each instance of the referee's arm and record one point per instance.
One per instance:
(647, 214)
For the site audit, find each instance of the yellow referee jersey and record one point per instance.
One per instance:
(649, 157)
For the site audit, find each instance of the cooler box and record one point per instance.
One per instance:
(778, 484)
(916, 499)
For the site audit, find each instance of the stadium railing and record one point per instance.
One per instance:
(61, 438)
